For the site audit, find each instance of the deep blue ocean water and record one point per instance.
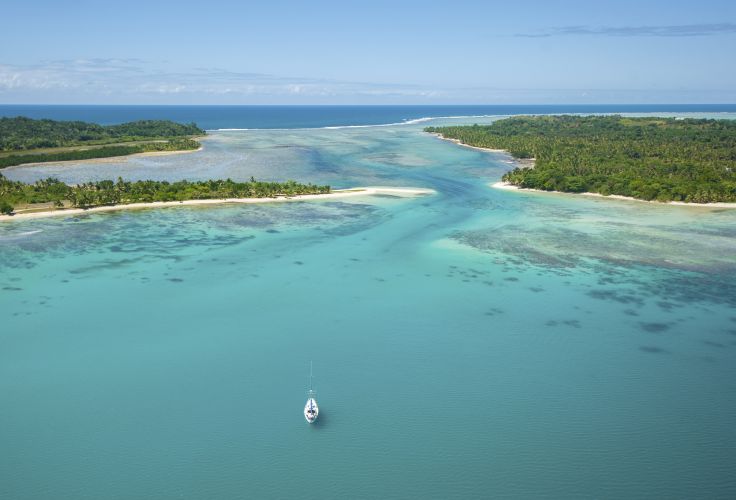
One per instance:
(218, 117)
(475, 343)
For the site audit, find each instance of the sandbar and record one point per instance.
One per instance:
(105, 159)
(509, 186)
(404, 192)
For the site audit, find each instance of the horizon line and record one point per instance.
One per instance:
(384, 105)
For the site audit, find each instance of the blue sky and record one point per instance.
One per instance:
(372, 52)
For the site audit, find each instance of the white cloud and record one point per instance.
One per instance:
(679, 30)
(132, 79)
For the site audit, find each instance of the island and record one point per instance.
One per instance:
(51, 197)
(50, 194)
(652, 158)
(25, 140)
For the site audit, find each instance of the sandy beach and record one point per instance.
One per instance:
(511, 187)
(164, 153)
(404, 192)
(107, 159)
(529, 163)
(521, 162)
(459, 143)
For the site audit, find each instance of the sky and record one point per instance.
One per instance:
(369, 52)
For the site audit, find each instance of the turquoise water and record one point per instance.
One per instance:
(473, 343)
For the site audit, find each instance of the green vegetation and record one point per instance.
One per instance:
(24, 140)
(663, 159)
(100, 152)
(107, 192)
(20, 133)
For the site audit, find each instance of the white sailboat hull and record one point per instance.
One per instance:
(311, 410)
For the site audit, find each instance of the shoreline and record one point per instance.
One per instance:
(403, 192)
(529, 163)
(522, 162)
(510, 187)
(114, 159)
(104, 159)
(158, 153)
(459, 143)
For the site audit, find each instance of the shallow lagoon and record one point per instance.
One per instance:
(476, 342)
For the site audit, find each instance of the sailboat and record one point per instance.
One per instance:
(311, 410)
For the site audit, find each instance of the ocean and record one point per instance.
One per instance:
(474, 343)
(275, 117)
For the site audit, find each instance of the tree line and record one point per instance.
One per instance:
(100, 152)
(663, 159)
(25, 140)
(108, 192)
(21, 133)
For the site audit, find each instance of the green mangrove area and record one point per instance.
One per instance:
(652, 158)
(25, 140)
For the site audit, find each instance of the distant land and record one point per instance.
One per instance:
(655, 159)
(26, 140)
(213, 117)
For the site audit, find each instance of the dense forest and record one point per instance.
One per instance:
(24, 140)
(663, 159)
(20, 133)
(91, 194)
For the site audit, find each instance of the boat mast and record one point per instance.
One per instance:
(310, 376)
